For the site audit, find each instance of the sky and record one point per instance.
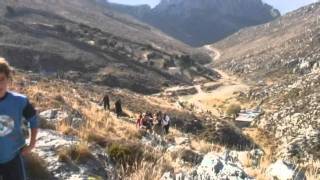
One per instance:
(283, 5)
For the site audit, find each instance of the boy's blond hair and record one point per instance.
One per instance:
(5, 67)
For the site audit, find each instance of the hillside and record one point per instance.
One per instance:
(281, 61)
(244, 108)
(79, 140)
(81, 41)
(286, 46)
(201, 22)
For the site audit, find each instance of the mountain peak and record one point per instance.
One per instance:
(204, 21)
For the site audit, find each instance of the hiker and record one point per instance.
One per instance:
(148, 121)
(166, 123)
(149, 114)
(106, 102)
(139, 120)
(159, 118)
(13, 107)
(154, 119)
(118, 108)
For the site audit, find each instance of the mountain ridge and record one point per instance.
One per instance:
(201, 22)
(85, 41)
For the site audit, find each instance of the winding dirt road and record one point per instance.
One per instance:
(213, 52)
(224, 94)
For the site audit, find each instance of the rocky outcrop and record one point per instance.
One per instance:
(282, 170)
(284, 47)
(294, 119)
(282, 59)
(52, 117)
(212, 166)
(226, 134)
(49, 143)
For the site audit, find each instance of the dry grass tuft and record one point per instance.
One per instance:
(205, 147)
(313, 170)
(36, 167)
(79, 153)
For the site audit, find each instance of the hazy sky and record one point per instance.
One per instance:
(283, 5)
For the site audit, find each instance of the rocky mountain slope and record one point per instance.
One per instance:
(288, 45)
(201, 22)
(75, 62)
(81, 41)
(282, 60)
(80, 140)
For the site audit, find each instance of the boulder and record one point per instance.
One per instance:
(216, 167)
(167, 176)
(282, 170)
(49, 143)
(51, 117)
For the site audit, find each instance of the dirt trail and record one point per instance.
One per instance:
(222, 95)
(213, 52)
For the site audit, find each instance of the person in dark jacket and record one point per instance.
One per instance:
(118, 108)
(106, 102)
(159, 118)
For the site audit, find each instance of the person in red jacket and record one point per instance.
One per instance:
(139, 120)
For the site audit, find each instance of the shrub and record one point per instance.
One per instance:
(186, 62)
(97, 138)
(191, 157)
(36, 167)
(125, 155)
(79, 153)
(225, 134)
(233, 110)
(201, 57)
(45, 124)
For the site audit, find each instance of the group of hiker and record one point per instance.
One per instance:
(117, 105)
(145, 120)
(149, 121)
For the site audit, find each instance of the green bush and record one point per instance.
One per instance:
(125, 155)
(233, 110)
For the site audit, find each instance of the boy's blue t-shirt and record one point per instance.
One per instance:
(13, 108)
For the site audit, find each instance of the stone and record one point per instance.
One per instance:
(282, 170)
(49, 143)
(215, 167)
(53, 115)
(167, 176)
